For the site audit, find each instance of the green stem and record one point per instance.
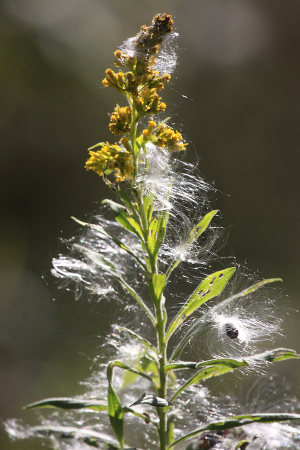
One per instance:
(160, 327)
(159, 303)
(132, 135)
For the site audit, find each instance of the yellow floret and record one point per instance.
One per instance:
(111, 158)
(166, 137)
(120, 120)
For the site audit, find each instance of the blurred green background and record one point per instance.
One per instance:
(236, 97)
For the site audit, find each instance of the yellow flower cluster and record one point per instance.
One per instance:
(111, 158)
(149, 102)
(163, 136)
(139, 85)
(142, 89)
(120, 120)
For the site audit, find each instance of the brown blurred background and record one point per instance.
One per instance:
(236, 97)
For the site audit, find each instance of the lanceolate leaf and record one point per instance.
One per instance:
(247, 291)
(194, 234)
(170, 428)
(142, 340)
(125, 199)
(277, 354)
(136, 226)
(115, 411)
(180, 365)
(146, 418)
(212, 286)
(202, 225)
(157, 232)
(242, 444)
(147, 366)
(73, 403)
(238, 421)
(156, 286)
(119, 364)
(67, 403)
(138, 299)
(128, 222)
(205, 319)
(138, 142)
(148, 206)
(208, 372)
(229, 362)
(82, 434)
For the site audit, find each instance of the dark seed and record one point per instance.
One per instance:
(231, 331)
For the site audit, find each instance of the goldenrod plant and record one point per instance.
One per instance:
(145, 393)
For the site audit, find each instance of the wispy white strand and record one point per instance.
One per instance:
(236, 328)
(166, 60)
(83, 270)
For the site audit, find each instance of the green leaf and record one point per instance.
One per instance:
(142, 340)
(241, 444)
(71, 403)
(81, 434)
(148, 206)
(126, 200)
(180, 365)
(119, 364)
(124, 219)
(157, 232)
(212, 286)
(204, 320)
(156, 286)
(145, 367)
(173, 266)
(115, 411)
(152, 233)
(194, 234)
(144, 416)
(229, 362)
(215, 370)
(202, 225)
(247, 291)
(138, 299)
(115, 207)
(115, 414)
(170, 428)
(238, 421)
(67, 403)
(128, 379)
(277, 354)
(137, 227)
(138, 142)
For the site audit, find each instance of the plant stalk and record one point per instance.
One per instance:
(162, 391)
